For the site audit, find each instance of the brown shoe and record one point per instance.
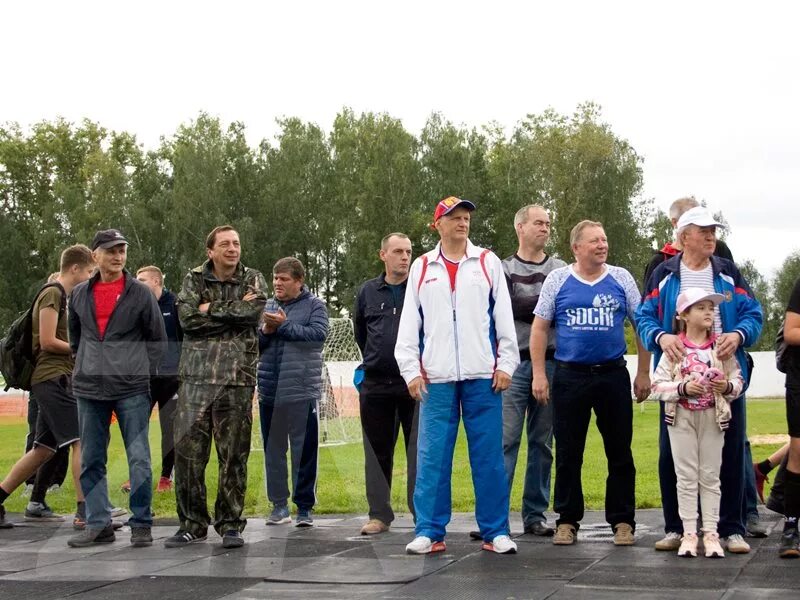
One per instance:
(374, 527)
(565, 535)
(623, 535)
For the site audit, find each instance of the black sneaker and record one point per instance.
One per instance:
(183, 538)
(304, 518)
(232, 539)
(90, 537)
(3, 523)
(790, 544)
(539, 528)
(39, 512)
(141, 537)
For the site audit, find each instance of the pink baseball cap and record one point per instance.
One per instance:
(693, 295)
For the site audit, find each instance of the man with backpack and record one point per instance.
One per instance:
(51, 383)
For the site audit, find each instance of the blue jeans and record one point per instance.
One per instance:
(439, 416)
(133, 414)
(519, 406)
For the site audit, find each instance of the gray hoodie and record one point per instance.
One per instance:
(119, 364)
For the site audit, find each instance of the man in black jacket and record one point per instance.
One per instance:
(164, 385)
(383, 398)
(117, 334)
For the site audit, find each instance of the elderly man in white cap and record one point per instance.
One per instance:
(738, 320)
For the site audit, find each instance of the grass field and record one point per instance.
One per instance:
(341, 468)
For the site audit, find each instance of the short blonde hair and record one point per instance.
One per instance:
(576, 232)
(681, 205)
(152, 269)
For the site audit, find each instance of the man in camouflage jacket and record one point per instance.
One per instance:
(219, 306)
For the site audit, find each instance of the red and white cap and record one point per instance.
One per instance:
(446, 206)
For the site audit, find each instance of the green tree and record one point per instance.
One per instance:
(454, 163)
(762, 292)
(377, 187)
(298, 176)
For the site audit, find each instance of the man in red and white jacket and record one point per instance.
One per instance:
(457, 350)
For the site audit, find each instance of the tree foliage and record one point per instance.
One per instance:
(327, 197)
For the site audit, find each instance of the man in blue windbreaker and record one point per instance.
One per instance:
(738, 320)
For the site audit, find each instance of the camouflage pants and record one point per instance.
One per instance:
(226, 413)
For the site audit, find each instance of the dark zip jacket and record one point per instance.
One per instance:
(119, 364)
(376, 318)
(167, 304)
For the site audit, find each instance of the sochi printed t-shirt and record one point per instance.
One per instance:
(105, 298)
(589, 316)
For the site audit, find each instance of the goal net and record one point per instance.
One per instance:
(339, 421)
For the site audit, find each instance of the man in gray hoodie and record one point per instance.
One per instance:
(117, 334)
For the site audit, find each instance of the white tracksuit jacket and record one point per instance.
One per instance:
(466, 334)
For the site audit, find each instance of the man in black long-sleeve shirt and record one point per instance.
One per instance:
(383, 397)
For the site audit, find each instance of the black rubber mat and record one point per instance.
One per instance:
(381, 551)
(646, 557)
(168, 588)
(777, 576)
(342, 569)
(45, 590)
(452, 588)
(23, 561)
(762, 594)
(571, 592)
(715, 576)
(517, 566)
(274, 590)
(297, 548)
(15, 535)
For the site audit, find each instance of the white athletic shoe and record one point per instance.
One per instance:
(688, 545)
(502, 544)
(424, 545)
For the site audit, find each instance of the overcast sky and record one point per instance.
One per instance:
(707, 92)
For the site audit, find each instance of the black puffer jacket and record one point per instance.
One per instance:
(290, 366)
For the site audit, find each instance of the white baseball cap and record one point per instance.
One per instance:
(699, 216)
(691, 296)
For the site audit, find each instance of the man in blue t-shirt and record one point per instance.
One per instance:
(587, 303)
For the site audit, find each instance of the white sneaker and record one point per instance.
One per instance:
(424, 545)
(502, 544)
(712, 545)
(736, 545)
(670, 542)
(688, 545)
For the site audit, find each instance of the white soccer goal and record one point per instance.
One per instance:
(339, 421)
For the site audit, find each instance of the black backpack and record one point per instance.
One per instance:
(16, 348)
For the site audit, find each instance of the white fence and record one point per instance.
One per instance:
(767, 381)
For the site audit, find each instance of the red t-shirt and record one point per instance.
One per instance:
(105, 298)
(452, 269)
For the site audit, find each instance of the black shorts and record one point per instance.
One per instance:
(793, 411)
(57, 424)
